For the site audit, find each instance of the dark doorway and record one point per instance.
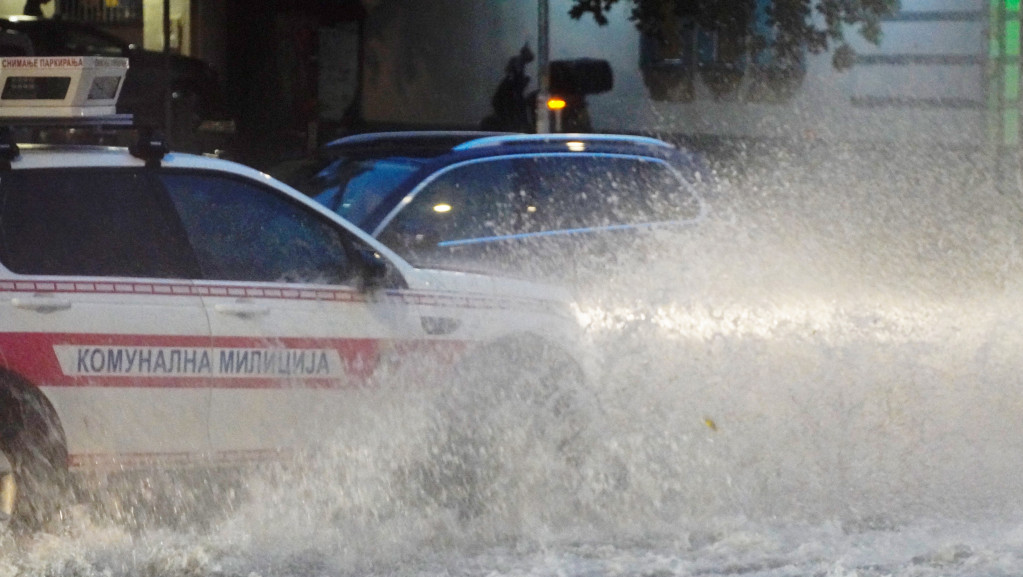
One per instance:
(271, 73)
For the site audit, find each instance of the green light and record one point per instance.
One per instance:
(1005, 29)
(1010, 75)
(1012, 37)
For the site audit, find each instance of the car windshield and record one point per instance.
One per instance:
(355, 188)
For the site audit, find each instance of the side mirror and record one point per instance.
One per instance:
(374, 269)
(410, 239)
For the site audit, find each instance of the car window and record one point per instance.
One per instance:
(511, 197)
(355, 188)
(244, 232)
(483, 198)
(592, 191)
(90, 223)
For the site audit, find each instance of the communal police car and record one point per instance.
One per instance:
(164, 308)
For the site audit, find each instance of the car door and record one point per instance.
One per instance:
(293, 336)
(603, 192)
(591, 210)
(99, 312)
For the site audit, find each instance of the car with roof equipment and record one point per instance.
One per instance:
(197, 97)
(167, 310)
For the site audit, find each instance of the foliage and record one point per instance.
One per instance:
(792, 26)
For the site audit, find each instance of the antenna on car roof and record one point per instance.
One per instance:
(151, 146)
(8, 148)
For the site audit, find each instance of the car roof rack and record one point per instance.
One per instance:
(67, 92)
(421, 143)
(561, 138)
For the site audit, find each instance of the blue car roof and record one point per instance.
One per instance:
(476, 143)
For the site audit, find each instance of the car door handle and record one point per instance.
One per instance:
(41, 303)
(440, 325)
(242, 309)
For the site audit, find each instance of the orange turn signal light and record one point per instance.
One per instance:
(555, 103)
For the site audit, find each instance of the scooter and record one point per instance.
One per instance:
(570, 81)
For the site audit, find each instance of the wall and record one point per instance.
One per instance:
(152, 16)
(437, 62)
(432, 64)
(16, 7)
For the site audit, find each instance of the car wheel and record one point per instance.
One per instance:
(33, 467)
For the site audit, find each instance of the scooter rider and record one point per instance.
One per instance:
(512, 108)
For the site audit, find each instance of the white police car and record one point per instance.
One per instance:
(171, 308)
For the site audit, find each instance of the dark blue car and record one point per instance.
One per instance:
(502, 201)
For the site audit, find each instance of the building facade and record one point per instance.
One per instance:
(437, 64)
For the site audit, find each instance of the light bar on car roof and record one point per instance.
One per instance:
(60, 86)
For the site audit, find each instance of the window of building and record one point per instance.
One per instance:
(120, 12)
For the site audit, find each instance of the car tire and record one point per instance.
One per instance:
(34, 487)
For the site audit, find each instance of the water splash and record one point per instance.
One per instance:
(824, 378)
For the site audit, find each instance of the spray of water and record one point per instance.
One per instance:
(834, 351)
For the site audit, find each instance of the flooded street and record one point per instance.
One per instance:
(823, 378)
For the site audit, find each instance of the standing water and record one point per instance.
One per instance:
(823, 378)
